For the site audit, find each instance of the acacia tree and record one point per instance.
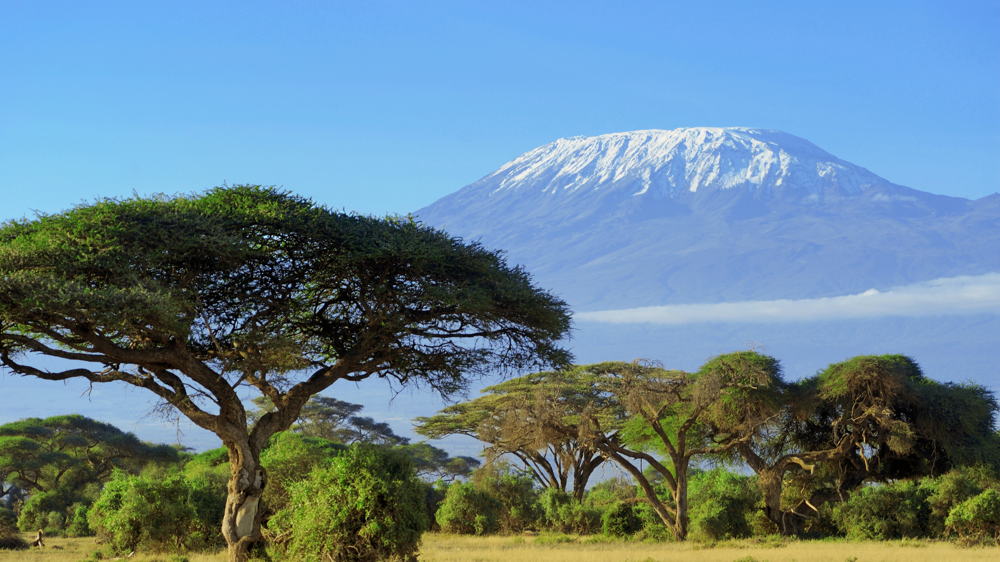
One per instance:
(504, 418)
(642, 412)
(69, 452)
(191, 297)
(328, 418)
(869, 418)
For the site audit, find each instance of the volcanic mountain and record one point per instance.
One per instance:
(703, 215)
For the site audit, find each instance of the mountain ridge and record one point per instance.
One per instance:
(646, 218)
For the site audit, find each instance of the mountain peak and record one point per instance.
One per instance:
(670, 163)
(713, 214)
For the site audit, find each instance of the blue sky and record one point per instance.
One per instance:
(383, 107)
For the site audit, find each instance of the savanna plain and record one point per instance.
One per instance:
(441, 547)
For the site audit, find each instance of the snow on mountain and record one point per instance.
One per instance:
(704, 215)
(691, 159)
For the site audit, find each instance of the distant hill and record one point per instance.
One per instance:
(704, 215)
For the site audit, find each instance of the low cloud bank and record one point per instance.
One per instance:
(949, 296)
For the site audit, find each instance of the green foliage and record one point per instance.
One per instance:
(434, 463)
(282, 280)
(79, 526)
(562, 513)
(323, 417)
(723, 505)
(70, 452)
(620, 520)
(948, 490)
(506, 417)
(288, 459)
(978, 518)
(885, 512)
(367, 505)
(434, 495)
(516, 493)
(9, 537)
(136, 512)
(466, 510)
(44, 510)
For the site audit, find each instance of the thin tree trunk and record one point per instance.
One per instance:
(681, 499)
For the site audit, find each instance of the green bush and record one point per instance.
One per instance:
(140, 512)
(290, 458)
(884, 512)
(978, 518)
(45, 510)
(9, 537)
(468, 511)
(620, 521)
(516, 493)
(78, 525)
(7, 518)
(561, 513)
(949, 490)
(367, 505)
(434, 495)
(608, 492)
(723, 505)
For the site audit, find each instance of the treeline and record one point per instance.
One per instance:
(868, 448)
(74, 476)
(842, 452)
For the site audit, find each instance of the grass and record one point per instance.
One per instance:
(76, 550)
(452, 548)
(569, 548)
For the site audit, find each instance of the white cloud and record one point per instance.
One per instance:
(949, 296)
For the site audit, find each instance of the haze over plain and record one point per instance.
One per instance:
(387, 108)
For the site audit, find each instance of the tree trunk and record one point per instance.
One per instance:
(586, 464)
(681, 499)
(241, 521)
(770, 482)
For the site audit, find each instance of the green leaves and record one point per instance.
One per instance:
(367, 504)
(257, 283)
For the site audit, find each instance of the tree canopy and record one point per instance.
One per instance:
(192, 296)
(868, 418)
(505, 418)
(69, 452)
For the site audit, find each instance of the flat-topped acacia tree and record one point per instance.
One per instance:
(191, 297)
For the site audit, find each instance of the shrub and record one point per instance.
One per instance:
(977, 518)
(723, 505)
(9, 538)
(620, 521)
(516, 493)
(136, 512)
(290, 458)
(560, 512)
(889, 511)
(468, 511)
(44, 510)
(434, 495)
(612, 490)
(949, 490)
(367, 505)
(78, 525)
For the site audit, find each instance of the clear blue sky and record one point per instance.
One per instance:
(384, 107)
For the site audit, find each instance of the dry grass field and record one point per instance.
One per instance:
(75, 550)
(445, 548)
(450, 548)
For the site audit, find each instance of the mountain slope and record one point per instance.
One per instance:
(708, 215)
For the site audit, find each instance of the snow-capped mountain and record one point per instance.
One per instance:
(670, 163)
(693, 215)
